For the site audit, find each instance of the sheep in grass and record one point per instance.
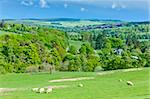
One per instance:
(48, 90)
(120, 80)
(130, 83)
(41, 90)
(35, 89)
(80, 85)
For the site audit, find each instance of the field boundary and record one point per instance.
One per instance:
(114, 71)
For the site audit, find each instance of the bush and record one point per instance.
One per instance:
(46, 68)
(32, 69)
(98, 69)
(64, 66)
(2, 70)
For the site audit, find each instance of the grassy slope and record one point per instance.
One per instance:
(76, 44)
(3, 32)
(103, 87)
(64, 23)
(79, 23)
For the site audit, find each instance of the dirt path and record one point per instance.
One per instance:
(114, 71)
(7, 89)
(72, 79)
(57, 87)
(99, 73)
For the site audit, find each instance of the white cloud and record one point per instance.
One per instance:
(65, 5)
(118, 5)
(100, 3)
(82, 9)
(113, 6)
(27, 2)
(43, 4)
(123, 6)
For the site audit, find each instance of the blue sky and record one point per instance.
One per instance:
(129, 10)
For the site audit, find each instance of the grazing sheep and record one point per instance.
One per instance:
(80, 85)
(130, 83)
(48, 90)
(35, 89)
(120, 80)
(41, 90)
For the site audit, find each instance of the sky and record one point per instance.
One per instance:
(127, 10)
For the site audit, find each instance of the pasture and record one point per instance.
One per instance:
(63, 23)
(76, 44)
(80, 23)
(103, 86)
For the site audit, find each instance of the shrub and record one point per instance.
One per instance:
(98, 69)
(46, 68)
(32, 69)
(2, 70)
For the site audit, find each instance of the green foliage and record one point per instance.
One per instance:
(20, 51)
(86, 49)
(72, 50)
(147, 58)
(2, 70)
(82, 50)
(92, 63)
(100, 41)
(32, 69)
(116, 42)
(31, 48)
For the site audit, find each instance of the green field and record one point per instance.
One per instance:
(31, 22)
(3, 32)
(80, 23)
(63, 23)
(105, 86)
(76, 44)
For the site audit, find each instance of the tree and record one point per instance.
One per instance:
(56, 59)
(92, 62)
(2, 23)
(82, 50)
(100, 41)
(86, 36)
(113, 63)
(72, 50)
(147, 58)
(116, 42)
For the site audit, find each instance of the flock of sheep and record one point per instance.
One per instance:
(42, 90)
(48, 90)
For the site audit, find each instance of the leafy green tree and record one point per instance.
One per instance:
(92, 62)
(116, 42)
(72, 50)
(82, 50)
(100, 41)
(147, 58)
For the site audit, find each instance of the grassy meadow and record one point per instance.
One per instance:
(80, 23)
(77, 44)
(105, 86)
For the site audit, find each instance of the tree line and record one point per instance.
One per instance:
(34, 49)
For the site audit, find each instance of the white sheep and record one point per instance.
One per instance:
(120, 80)
(48, 90)
(80, 85)
(35, 89)
(130, 83)
(41, 90)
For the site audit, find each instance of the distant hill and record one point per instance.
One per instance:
(74, 20)
(64, 19)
